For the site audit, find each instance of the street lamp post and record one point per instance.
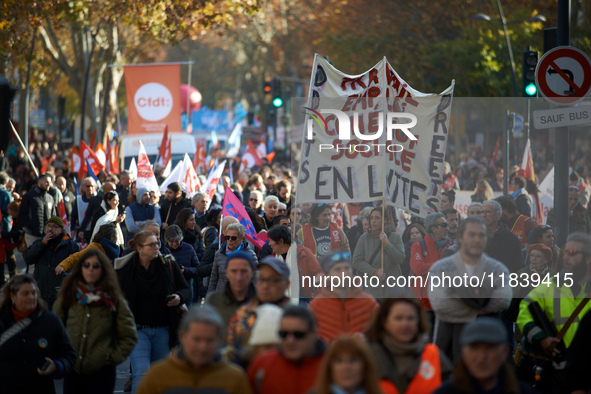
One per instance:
(504, 22)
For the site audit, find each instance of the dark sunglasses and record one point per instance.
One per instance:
(232, 237)
(571, 252)
(444, 225)
(254, 199)
(283, 334)
(96, 265)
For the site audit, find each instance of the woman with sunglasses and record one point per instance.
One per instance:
(234, 242)
(322, 236)
(34, 346)
(377, 246)
(98, 321)
(348, 367)
(425, 253)
(154, 289)
(399, 341)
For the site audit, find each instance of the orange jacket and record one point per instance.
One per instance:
(427, 378)
(336, 316)
(521, 227)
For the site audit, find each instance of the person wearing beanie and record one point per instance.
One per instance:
(265, 332)
(238, 290)
(46, 253)
(341, 307)
(139, 212)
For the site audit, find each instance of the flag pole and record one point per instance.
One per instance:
(383, 227)
(25, 149)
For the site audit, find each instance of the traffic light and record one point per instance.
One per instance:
(276, 91)
(530, 60)
(266, 87)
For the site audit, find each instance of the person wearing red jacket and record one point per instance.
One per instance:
(425, 253)
(294, 366)
(344, 308)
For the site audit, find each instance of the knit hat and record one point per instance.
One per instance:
(240, 255)
(266, 328)
(542, 248)
(484, 329)
(56, 220)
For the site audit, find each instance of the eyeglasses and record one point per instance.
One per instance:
(232, 237)
(444, 225)
(52, 227)
(254, 199)
(545, 227)
(153, 245)
(571, 252)
(96, 265)
(486, 212)
(91, 185)
(283, 334)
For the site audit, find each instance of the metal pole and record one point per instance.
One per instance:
(85, 89)
(509, 48)
(506, 134)
(188, 96)
(26, 151)
(561, 143)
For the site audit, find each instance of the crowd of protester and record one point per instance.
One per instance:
(181, 291)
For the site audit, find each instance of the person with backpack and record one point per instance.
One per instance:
(98, 321)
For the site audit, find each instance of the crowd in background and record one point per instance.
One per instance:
(185, 293)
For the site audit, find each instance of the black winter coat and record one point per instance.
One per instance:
(505, 247)
(35, 210)
(170, 210)
(126, 268)
(46, 257)
(22, 354)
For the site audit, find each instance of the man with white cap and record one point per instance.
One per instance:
(483, 367)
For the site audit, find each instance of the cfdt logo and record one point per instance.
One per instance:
(153, 101)
(346, 130)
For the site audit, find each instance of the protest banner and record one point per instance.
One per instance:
(370, 137)
(145, 175)
(233, 207)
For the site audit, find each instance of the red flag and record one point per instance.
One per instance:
(116, 168)
(250, 157)
(213, 179)
(233, 207)
(93, 160)
(77, 165)
(495, 154)
(109, 154)
(214, 152)
(200, 156)
(527, 164)
(61, 211)
(270, 157)
(93, 140)
(191, 181)
(164, 148)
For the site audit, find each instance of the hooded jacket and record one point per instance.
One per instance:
(46, 257)
(218, 277)
(137, 212)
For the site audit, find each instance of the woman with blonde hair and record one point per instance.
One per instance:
(98, 321)
(347, 367)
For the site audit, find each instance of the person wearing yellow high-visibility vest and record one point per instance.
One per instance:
(560, 298)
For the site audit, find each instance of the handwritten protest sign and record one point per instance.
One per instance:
(371, 136)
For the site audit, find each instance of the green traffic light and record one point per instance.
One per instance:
(531, 89)
(277, 102)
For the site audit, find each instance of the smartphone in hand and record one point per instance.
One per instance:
(169, 297)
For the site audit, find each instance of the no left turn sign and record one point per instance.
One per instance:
(563, 75)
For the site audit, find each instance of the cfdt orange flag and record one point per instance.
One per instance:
(154, 98)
